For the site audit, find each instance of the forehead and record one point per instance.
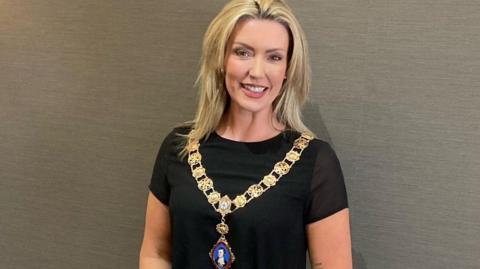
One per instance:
(261, 34)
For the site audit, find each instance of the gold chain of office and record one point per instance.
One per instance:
(223, 204)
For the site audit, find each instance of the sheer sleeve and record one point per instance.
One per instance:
(159, 185)
(327, 190)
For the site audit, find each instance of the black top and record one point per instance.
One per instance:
(269, 232)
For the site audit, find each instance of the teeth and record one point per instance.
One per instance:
(254, 88)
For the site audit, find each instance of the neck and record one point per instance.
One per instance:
(246, 126)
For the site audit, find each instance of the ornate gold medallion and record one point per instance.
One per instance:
(221, 254)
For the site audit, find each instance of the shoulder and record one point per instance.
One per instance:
(324, 153)
(174, 141)
(318, 150)
(316, 146)
(322, 146)
(178, 133)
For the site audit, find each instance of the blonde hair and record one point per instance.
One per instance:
(214, 99)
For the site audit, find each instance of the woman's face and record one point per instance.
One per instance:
(255, 64)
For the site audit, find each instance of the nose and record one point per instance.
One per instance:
(257, 70)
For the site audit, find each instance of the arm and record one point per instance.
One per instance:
(329, 244)
(156, 246)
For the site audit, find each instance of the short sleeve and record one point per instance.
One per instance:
(328, 194)
(159, 185)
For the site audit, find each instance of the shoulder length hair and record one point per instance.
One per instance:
(213, 96)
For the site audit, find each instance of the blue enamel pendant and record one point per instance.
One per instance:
(221, 254)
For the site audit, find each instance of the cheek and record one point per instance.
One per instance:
(236, 69)
(235, 73)
(278, 75)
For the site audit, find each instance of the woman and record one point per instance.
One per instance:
(246, 181)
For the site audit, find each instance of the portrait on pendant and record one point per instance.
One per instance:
(221, 256)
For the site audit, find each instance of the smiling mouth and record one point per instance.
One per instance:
(254, 88)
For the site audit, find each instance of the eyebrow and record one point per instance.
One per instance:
(251, 48)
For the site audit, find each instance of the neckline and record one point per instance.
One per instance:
(265, 141)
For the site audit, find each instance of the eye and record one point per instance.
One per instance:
(242, 52)
(276, 58)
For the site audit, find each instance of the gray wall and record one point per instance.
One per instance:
(88, 89)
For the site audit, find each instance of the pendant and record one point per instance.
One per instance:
(221, 254)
